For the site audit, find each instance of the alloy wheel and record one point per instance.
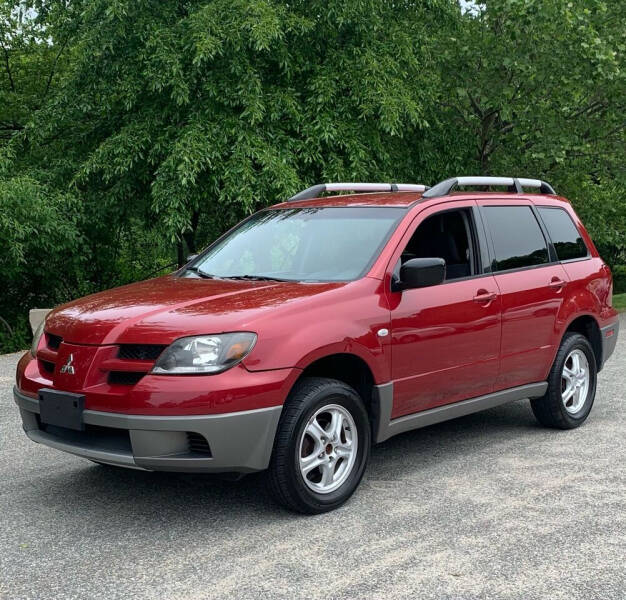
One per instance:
(328, 449)
(575, 381)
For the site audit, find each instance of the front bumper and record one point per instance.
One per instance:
(236, 442)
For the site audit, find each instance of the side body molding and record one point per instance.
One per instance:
(385, 427)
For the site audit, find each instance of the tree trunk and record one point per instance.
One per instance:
(180, 253)
(190, 235)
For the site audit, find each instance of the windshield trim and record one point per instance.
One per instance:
(401, 210)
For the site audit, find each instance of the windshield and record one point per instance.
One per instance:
(301, 244)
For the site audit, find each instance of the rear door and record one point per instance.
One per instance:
(531, 284)
(445, 338)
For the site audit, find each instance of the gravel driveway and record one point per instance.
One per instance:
(486, 506)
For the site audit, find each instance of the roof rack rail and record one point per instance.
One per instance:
(514, 184)
(316, 190)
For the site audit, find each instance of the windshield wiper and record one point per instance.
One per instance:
(200, 272)
(255, 277)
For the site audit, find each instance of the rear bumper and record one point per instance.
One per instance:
(236, 442)
(609, 340)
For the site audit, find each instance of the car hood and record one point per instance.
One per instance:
(158, 311)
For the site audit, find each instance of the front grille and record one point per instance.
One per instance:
(197, 443)
(53, 341)
(140, 351)
(125, 377)
(47, 366)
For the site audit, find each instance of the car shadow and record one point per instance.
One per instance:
(406, 454)
(139, 498)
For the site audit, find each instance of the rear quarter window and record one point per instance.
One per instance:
(517, 238)
(566, 238)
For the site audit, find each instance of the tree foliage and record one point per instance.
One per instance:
(133, 131)
(542, 83)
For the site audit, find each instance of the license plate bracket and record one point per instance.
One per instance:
(62, 409)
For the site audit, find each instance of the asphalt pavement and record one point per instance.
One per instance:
(486, 506)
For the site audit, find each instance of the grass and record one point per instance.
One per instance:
(619, 302)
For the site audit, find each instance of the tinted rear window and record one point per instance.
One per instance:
(567, 240)
(517, 238)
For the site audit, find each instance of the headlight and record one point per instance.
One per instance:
(36, 337)
(204, 354)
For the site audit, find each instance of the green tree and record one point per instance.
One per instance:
(39, 264)
(200, 112)
(539, 85)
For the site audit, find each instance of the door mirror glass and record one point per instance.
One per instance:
(422, 272)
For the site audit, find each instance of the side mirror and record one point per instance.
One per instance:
(422, 272)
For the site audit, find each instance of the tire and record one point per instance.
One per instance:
(321, 401)
(552, 410)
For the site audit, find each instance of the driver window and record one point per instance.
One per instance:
(445, 235)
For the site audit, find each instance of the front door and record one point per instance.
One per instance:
(445, 338)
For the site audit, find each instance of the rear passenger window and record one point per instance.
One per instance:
(567, 240)
(517, 238)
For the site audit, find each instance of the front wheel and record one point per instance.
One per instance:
(571, 385)
(322, 446)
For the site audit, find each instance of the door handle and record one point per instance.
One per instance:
(557, 283)
(484, 297)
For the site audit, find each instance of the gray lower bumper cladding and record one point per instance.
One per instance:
(236, 442)
(609, 340)
(386, 427)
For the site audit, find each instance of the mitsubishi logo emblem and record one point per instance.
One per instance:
(68, 367)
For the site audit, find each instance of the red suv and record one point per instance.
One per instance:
(325, 324)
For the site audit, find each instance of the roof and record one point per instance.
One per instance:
(397, 199)
(408, 199)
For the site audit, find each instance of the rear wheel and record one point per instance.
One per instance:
(321, 448)
(571, 385)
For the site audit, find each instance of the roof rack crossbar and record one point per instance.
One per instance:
(315, 191)
(514, 185)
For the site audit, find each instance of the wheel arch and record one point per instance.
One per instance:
(347, 367)
(588, 326)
